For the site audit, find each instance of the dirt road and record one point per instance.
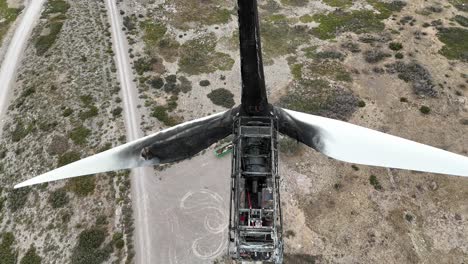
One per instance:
(181, 214)
(15, 50)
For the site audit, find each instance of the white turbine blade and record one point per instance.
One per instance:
(194, 136)
(347, 142)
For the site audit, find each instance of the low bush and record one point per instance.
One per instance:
(79, 135)
(222, 97)
(375, 182)
(68, 158)
(17, 198)
(7, 253)
(204, 83)
(395, 46)
(82, 186)
(156, 83)
(58, 198)
(89, 249)
(31, 257)
(375, 56)
(117, 111)
(425, 110)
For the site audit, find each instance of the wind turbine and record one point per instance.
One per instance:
(255, 159)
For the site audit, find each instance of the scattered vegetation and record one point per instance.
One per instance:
(222, 97)
(54, 24)
(199, 13)
(58, 198)
(143, 65)
(79, 135)
(7, 252)
(157, 83)
(319, 97)
(17, 198)
(425, 110)
(395, 46)
(7, 16)
(289, 234)
(456, 43)
(301, 259)
(288, 146)
(279, 38)
(117, 240)
(204, 83)
(21, 131)
(357, 21)
(417, 75)
(460, 5)
(375, 182)
(199, 56)
(31, 257)
(82, 186)
(161, 113)
(294, 2)
(463, 21)
(68, 158)
(332, 69)
(375, 56)
(339, 3)
(90, 249)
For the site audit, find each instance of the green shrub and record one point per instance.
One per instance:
(185, 85)
(87, 100)
(89, 249)
(399, 56)
(101, 220)
(456, 43)
(56, 6)
(17, 198)
(7, 253)
(425, 110)
(91, 112)
(289, 146)
(21, 131)
(375, 56)
(31, 257)
(117, 240)
(143, 65)
(463, 21)
(222, 97)
(375, 182)
(117, 111)
(67, 112)
(79, 135)
(160, 112)
(156, 83)
(395, 46)
(68, 158)
(361, 103)
(45, 42)
(199, 56)
(204, 83)
(82, 186)
(58, 198)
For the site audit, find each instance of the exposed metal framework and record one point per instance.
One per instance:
(255, 224)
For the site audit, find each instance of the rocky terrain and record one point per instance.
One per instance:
(398, 67)
(65, 106)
